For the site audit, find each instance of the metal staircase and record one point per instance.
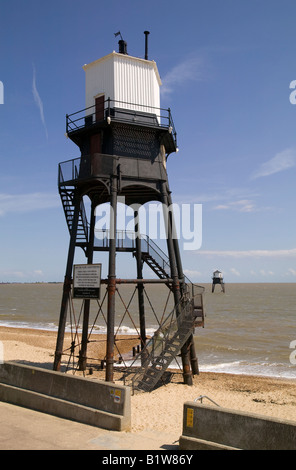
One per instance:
(159, 262)
(162, 349)
(67, 176)
(67, 198)
(152, 263)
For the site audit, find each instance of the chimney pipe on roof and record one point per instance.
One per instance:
(146, 44)
(122, 46)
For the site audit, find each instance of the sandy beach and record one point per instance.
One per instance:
(162, 409)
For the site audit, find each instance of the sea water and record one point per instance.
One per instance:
(249, 329)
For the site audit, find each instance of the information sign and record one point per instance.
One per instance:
(87, 281)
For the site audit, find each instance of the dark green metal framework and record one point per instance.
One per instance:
(123, 153)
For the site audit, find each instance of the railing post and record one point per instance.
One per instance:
(60, 175)
(109, 106)
(175, 138)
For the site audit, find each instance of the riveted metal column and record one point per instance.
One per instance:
(190, 342)
(85, 325)
(170, 245)
(67, 285)
(111, 283)
(176, 244)
(187, 375)
(140, 286)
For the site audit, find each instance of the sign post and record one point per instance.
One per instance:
(87, 281)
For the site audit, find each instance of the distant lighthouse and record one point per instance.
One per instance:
(218, 279)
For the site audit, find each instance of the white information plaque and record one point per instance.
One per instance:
(87, 281)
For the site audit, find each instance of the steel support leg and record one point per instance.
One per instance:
(140, 285)
(190, 343)
(84, 340)
(193, 357)
(176, 244)
(187, 375)
(67, 285)
(111, 284)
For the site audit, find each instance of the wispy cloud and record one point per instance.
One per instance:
(192, 272)
(191, 69)
(243, 205)
(38, 101)
(249, 253)
(262, 272)
(235, 199)
(280, 162)
(27, 202)
(235, 271)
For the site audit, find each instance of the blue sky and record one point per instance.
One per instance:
(226, 68)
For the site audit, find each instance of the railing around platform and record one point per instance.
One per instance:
(121, 111)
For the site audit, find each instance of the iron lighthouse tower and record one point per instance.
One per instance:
(124, 139)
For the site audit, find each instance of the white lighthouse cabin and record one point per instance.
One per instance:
(122, 88)
(217, 275)
(123, 82)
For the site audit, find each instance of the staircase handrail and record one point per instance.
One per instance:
(158, 343)
(84, 219)
(153, 249)
(196, 289)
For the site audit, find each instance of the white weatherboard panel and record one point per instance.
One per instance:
(135, 82)
(124, 78)
(99, 79)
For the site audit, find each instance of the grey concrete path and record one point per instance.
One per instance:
(25, 429)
